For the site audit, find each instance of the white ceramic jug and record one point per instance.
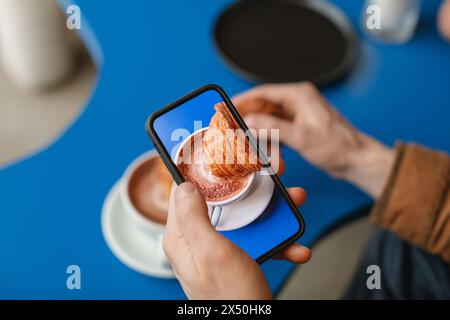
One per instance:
(37, 49)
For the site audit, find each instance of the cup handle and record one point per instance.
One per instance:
(215, 216)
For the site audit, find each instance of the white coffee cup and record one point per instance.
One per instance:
(144, 224)
(215, 207)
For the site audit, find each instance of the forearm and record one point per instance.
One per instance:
(411, 187)
(368, 166)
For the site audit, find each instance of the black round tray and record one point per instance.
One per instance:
(286, 40)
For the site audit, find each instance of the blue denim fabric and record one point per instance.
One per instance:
(407, 272)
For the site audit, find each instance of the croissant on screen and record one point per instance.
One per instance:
(226, 149)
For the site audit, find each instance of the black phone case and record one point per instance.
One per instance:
(165, 156)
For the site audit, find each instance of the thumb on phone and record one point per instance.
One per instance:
(191, 215)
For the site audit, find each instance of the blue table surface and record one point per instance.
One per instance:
(150, 53)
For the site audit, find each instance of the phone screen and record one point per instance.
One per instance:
(203, 139)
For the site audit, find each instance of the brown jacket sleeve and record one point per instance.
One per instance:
(415, 204)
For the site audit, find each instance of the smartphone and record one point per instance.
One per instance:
(246, 200)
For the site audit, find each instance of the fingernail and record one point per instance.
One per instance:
(183, 190)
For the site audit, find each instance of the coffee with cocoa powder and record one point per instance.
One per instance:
(148, 193)
(212, 188)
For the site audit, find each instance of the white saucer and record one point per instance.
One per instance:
(246, 210)
(129, 244)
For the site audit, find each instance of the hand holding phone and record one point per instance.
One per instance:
(202, 139)
(208, 265)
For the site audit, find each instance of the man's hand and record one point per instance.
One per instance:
(444, 19)
(309, 125)
(207, 264)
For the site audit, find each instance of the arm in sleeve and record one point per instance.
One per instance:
(415, 204)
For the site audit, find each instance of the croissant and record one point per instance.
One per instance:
(226, 149)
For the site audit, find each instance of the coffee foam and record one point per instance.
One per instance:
(212, 188)
(148, 193)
